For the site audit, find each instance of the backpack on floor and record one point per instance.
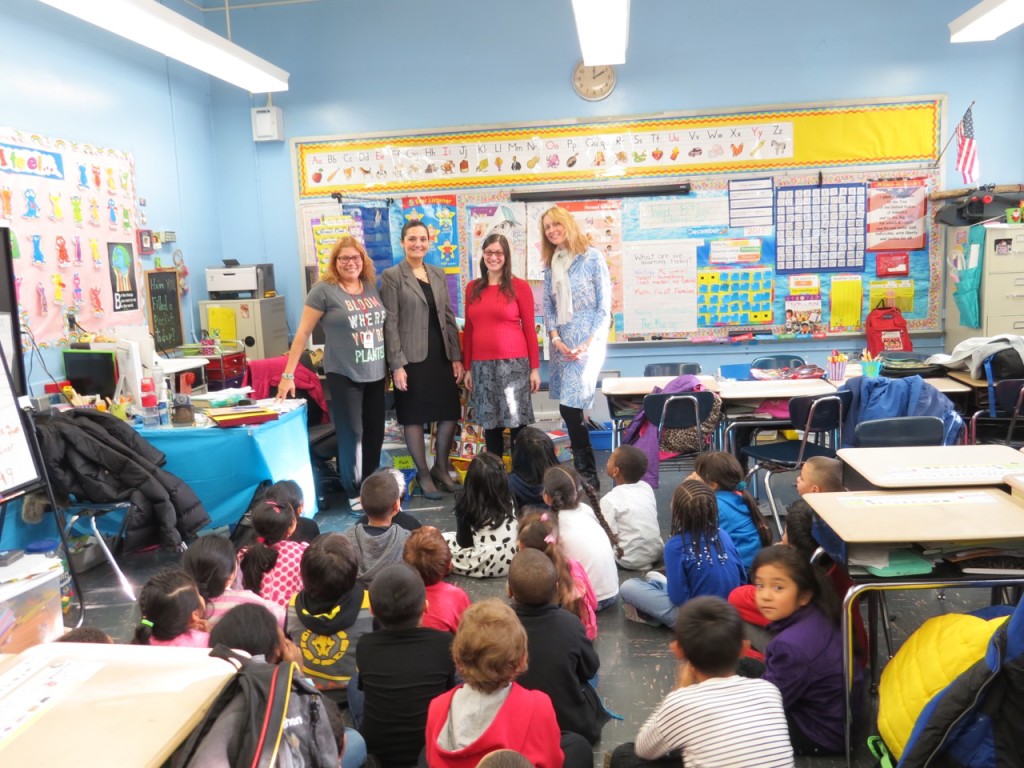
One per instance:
(267, 716)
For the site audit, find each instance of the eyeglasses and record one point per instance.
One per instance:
(494, 252)
(349, 258)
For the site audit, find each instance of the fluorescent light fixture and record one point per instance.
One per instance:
(148, 23)
(987, 21)
(603, 29)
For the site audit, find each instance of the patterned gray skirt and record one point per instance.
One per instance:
(501, 393)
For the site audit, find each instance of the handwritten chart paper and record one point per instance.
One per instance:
(684, 212)
(659, 289)
(820, 228)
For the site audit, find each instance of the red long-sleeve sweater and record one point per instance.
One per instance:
(500, 329)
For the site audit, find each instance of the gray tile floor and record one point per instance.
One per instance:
(637, 669)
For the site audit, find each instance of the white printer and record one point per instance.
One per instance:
(240, 281)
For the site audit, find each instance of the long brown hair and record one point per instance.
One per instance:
(724, 470)
(575, 241)
(478, 285)
(331, 274)
(539, 530)
(563, 485)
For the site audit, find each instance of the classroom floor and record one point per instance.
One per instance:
(637, 669)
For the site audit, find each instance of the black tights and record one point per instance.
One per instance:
(579, 435)
(442, 447)
(494, 439)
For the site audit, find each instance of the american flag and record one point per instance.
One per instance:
(967, 148)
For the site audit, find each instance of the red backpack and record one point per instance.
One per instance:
(887, 331)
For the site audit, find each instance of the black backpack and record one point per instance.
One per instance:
(266, 717)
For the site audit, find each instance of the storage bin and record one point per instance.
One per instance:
(30, 610)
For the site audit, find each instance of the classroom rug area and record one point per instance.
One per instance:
(637, 668)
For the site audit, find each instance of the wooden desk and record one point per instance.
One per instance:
(929, 467)
(132, 706)
(965, 378)
(942, 515)
(638, 386)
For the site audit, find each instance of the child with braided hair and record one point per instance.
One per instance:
(700, 559)
(585, 535)
(539, 530)
(270, 566)
(172, 612)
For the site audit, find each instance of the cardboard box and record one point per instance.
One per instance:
(30, 610)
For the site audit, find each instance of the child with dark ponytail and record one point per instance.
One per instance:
(738, 513)
(172, 612)
(270, 566)
(585, 535)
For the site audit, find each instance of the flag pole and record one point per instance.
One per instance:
(949, 141)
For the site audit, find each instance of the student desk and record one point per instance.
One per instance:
(940, 516)
(224, 466)
(929, 466)
(123, 705)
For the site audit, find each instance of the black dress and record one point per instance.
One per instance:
(433, 394)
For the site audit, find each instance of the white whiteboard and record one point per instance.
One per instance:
(17, 464)
(659, 286)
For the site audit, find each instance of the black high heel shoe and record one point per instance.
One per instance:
(432, 495)
(443, 480)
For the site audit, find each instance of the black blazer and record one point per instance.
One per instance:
(405, 326)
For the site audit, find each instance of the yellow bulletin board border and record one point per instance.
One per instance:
(895, 132)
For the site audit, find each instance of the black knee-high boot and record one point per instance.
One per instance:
(579, 441)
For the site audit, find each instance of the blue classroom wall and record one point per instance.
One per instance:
(401, 64)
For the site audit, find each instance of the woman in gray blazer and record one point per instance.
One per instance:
(422, 344)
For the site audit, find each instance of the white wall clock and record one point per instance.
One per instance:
(593, 83)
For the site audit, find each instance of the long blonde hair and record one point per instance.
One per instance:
(330, 275)
(575, 241)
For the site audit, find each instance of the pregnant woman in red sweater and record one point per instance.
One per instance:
(499, 346)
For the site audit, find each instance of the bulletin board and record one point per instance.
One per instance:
(71, 210)
(800, 219)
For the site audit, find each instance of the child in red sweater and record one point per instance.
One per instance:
(429, 555)
(489, 711)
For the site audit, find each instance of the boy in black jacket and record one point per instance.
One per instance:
(561, 658)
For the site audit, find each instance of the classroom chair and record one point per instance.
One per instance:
(774, 362)
(899, 432)
(817, 416)
(75, 511)
(684, 410)
(1009, 399)
(671, 369)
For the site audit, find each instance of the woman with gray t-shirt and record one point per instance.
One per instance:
(346, 304)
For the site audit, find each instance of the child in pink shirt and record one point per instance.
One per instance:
(270, 567)
(172, 612)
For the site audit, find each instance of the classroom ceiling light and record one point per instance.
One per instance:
(148, 23)
(603, 29)
(987, 21)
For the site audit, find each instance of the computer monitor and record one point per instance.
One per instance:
(91, 371)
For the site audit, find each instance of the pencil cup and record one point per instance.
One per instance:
(871, 368)
(837, 371)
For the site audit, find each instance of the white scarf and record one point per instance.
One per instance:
(560, 261)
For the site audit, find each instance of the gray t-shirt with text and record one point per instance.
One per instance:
(354, 330)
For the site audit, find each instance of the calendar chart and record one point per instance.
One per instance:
(741, 296)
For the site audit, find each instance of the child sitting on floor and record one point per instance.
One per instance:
(402, 667)
(562, 658)
(290, 492)
(252, 628)
(533, 454)
(489, 711)
(428, 554)
(805, 657)
(327, 618)
(484, 540)
(172, 612)
(379, 542)
(738, 513)
(631, 510)
(211, 561)
(820, 474)
(270, 566)
(714, 716)
(538, 530)
(583, 533)
(700, 559)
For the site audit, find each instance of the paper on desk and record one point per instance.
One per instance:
(280, 406)
(34, 686)
(868, 555)
(28, 566)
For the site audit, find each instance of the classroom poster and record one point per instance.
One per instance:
(803, 314)
(896, 218)
(659, 294)
(508, 219)
(820, 228)
(437, 212)
(70, 207)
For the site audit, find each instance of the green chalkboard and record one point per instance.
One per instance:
(164, 308)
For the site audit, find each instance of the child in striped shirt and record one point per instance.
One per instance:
(713, 717)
